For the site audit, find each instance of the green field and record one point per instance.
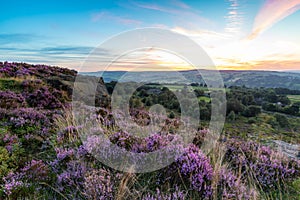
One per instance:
(294, 98)
(206, 99)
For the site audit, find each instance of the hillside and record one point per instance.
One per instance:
(269, 79)
(50, 150)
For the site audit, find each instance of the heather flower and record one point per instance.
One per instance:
(22, 69)
(231, 187)
(13, 183)
(159, 195)
(73, 175)
(35, 170)
(62, 153)
(10, 141)
(98, 184)
(268, 167)
(25, 121)
(11, 100)
(44, 98)
(191, 168)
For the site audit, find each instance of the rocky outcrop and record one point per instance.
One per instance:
(291, 150)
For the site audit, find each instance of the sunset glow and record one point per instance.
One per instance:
(256, 35)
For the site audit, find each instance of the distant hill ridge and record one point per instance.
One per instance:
(269, 79)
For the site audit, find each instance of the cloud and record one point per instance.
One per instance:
(103, 15)
(268, 65)
(271, 12)
(158, 8)
(206, 34)
(70, 56)
(234, 18)
(180, 4)
(275, 65)
(16, 38)
(66, 50)
(178, 9)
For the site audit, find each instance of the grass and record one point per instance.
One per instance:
(204, 98)
(294, 98)
(13, 84)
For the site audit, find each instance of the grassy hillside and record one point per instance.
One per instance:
(45, 153)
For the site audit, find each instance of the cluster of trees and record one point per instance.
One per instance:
(292, 109)
(247, 102)
(243, 101)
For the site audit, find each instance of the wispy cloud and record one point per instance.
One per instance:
(204, 34)
(178, 9)
(103, 15)
(70, 56)
(66, 50)
(234, 18)
(16, 38)
(180, 4)
(271, 12)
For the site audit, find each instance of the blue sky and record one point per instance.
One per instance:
(255, 34)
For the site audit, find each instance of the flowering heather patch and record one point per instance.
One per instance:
(159, 195)
(16, 183)
(9, 141)
(35, 170)
(23, 69)
(11, 100)
(143, 118)
(45, 98)
(29, 86)
(68, 133)
(231, 187)
(69, 168)
(195, 170)
(13, 183)
(72, 175)
(268, 167)
(135, 144)
(32, 120)
(99, 184)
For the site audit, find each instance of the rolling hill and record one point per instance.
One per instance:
(269, 79)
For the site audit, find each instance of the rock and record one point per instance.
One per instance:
(291, 150)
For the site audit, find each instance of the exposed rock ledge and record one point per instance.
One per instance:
(291, 150)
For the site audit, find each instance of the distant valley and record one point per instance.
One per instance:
(268, 79)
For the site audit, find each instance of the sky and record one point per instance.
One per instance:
(236, 34)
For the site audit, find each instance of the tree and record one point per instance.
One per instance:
(269, 107)
(282, 120)
(235, 105)
(284, 100)
(271, 97)
(292, 110)
(199, 92)
(251, 111)
(171, 115)
(231, 116)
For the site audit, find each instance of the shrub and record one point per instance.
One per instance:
(11, 100)
(268, 168)
(98, 184)
(44, 98)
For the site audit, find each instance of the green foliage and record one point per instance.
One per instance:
(231, 116)
(171, 115)
(199, 92)
(251, 111)
(4, 160)
(10, 84)
(282, 120)
(235, 105)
